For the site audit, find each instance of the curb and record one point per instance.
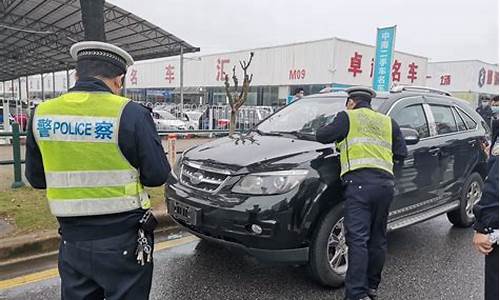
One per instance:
(24, 247)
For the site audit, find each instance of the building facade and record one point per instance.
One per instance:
(277, 72)
(472, 80)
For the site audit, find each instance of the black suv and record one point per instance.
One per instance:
(275, 192)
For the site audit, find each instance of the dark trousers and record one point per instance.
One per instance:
(105, 268)
(365, 222)
(491, 275)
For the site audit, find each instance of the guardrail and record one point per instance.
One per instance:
(16, 135)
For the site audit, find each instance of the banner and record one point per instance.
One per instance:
(383, 58)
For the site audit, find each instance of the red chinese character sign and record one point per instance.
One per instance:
(396, 71)
(355, 67)
(445, 79)
(412, 72)
(169, 73)
(221, 62)
(133, 77)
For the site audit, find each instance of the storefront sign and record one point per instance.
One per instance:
(384, 53)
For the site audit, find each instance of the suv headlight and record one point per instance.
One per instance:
(176, 170)
(267, 183)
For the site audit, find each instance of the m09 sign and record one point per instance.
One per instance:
(297, 74)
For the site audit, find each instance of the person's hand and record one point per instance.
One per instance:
(485, 146)
(482, 243)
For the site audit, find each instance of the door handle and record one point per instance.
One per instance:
(434, 151)
(472, 143)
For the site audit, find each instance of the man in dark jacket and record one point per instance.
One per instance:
(94, 151)
(368, 142)
(484, 110)
(486, 226)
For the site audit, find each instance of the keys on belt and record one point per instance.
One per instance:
(144, 250)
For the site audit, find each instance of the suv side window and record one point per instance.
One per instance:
(413, 117)
(471, 124)
(443, 117)
(460, 121)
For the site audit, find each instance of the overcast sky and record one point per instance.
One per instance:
(438, 29)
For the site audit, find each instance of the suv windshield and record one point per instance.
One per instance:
(305, 116)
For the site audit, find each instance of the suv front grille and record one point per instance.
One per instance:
(203, 178)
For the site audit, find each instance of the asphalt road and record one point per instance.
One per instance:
(431, 260)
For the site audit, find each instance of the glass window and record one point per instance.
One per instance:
(443, 117)
(460, 121)
(471, 124)
(413, 117)
(304, 116)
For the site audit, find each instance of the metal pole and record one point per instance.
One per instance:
(182, 79)
(19, 106)
(43, 89)
(53, 85)
(28, 101)
(67, 79)
(6, 110)
(16, 150)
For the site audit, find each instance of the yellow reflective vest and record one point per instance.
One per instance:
(368, 143)
(85, 170)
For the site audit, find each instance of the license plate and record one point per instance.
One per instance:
(184, 212)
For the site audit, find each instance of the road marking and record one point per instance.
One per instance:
(53, 273)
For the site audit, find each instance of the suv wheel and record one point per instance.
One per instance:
(328, 253)
(470, 195)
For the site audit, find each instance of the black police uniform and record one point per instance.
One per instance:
(368, 194)
(96, 255)
(486, 212)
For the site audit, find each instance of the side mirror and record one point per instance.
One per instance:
(410, 135)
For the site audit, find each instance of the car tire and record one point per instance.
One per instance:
(463, 216)
(322, 245)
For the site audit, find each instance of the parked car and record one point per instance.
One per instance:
(275, 193)
(166, 121)
(192, 118)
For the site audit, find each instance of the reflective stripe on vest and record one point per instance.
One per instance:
(85, 170)
(368, 143)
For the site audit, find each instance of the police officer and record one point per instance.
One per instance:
(368, 142)
(93, 151)
(486, 226)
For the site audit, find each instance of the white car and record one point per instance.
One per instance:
(166, 121)
(192, 118)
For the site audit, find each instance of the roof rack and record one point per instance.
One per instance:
(409, 88)
(328, 90)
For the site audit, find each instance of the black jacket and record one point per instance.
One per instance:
(141, 146)
(338, 130)
(486, 113)
(486, 210)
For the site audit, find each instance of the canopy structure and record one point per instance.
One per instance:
(35, 36)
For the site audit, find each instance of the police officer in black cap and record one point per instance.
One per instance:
(368, 142)
(93, 151)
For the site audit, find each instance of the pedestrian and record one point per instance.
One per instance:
(484, 110)
(298, 94)
(93, 151)
(368, 142)
(494, 120)
(486, 226)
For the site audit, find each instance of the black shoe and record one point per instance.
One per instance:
(372, 294)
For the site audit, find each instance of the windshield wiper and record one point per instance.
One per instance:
(260, 132)
(297, 134)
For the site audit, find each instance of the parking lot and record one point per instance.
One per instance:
(431, 260)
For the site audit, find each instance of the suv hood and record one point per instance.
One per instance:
(245, 150)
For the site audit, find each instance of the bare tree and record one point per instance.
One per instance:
(236, 96)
